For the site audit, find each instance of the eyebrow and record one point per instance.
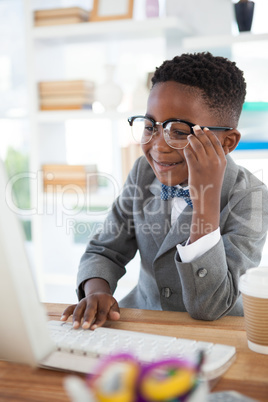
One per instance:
(170, 118)
(149, 116)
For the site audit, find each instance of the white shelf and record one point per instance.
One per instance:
(102, 198)
(62, 116)
(119, 29)
(217, 41)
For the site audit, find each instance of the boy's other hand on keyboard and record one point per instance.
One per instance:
(93, 311)
(98, 306)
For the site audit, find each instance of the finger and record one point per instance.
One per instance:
(78, 313)
(114, 313)
(204, 139)
(103, 313)
(101, 318)
(196, 143)
(209, 141)
(189, 154)
(90, 314)
(67, 312)
(216, 143)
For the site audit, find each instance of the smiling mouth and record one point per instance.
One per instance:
(166, 163)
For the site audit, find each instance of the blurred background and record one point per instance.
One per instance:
(71, 72)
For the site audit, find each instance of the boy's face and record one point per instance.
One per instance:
(169, 100)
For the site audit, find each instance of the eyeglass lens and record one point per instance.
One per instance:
(175, 133)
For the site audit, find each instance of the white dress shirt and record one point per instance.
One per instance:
(190, 252)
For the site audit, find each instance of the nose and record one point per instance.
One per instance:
(158, 139)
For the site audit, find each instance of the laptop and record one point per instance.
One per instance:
(25, 336)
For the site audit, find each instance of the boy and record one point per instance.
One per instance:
(193, 247)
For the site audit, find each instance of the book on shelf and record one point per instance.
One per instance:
(61, 12)
(58, 21)
(66, 86)
(58, 16)
(60, 177)
(67, 99)
(66, 95)
(71, 102)
(65, 107)
(66, 92)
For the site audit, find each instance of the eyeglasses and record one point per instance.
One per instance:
(175, 131)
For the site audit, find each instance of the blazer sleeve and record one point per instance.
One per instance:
(115, 245)
(210, 282)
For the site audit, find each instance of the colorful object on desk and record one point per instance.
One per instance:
(167, 379)
(122, 378)
(116, 379)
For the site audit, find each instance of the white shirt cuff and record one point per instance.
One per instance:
(190, 252)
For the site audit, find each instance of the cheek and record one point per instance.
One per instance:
(145, 148)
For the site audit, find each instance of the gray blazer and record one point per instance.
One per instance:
(139, 220)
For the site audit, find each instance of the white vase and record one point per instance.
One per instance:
(109, 94)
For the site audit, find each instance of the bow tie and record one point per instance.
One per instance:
(172, 191)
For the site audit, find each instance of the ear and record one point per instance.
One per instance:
(230, 141)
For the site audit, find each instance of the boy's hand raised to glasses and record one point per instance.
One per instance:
(206, 167)
(206, 161)
(98, 306)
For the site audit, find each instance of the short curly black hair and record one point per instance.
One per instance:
(222, 83)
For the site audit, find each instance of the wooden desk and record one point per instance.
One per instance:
(248, 374)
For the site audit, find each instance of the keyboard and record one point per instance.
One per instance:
(88, 344)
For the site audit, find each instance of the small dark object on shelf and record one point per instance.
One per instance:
(244, 11)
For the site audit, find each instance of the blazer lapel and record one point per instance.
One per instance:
(179, 231)
(158, 215)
